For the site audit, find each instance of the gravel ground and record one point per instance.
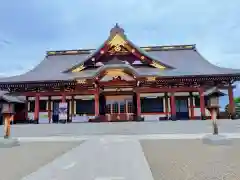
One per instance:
(192, 160)
(20, 161)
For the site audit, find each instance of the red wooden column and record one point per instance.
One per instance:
(202, 103)
(173, 107)
(36, 109)
(49, 110)
(231, 102)
(191, 106)
(138, 104)
(166, 105)
(96, 103)
(63, 97)
(26, 107)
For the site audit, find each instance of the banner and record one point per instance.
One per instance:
(63, 110)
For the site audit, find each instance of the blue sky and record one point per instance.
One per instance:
(29, 28)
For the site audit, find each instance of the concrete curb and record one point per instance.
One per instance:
(124, 137)
(8, 143)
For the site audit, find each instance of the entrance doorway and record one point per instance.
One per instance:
(116, 107)
(182, 111)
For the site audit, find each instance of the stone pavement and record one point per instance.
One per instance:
(22, 160)
(99, 159)
(157, 157)
(192, 160)
(130, 151)
(124, 128)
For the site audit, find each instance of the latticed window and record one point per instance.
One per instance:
(108, 108)
(122, 107)
(115, 108)
(130, 107)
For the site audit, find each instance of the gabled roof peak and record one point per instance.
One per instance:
(117, 30)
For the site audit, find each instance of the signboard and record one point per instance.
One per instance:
(63, 110)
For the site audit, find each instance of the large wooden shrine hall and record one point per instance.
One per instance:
(121, 81)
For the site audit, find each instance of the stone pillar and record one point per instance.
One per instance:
(231, 106)
(173, 107)
(191, 106)
(202, 103)
(36, 109)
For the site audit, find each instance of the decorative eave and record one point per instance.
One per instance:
(116, 42)
(145, 48)
(88, 82)
(28, 85)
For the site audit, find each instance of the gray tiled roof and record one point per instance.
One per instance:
(185, 62)
(4, 95)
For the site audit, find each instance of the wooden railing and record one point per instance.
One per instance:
(114, 117)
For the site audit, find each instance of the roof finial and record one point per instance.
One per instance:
(116, 30)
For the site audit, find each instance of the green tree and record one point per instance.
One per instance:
(237, 100)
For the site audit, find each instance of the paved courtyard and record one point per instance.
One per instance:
(192, 160)
(121, 151)
(123, 128)
(19, 161)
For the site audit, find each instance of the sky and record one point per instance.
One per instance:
(30, 28)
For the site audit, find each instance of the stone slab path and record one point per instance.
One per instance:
(98, 159)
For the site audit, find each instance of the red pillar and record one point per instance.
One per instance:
(202, 103)
(63, 97)
(166, 105)
(26, 107)
(138, 104)
(36, 109)
(191, 106)
(96, 103)
(49, 110)
(231, 102)
(173, 106)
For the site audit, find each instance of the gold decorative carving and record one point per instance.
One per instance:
(168, 47)
(51, 53)
(117, 40)
(147, 48)
(71, 52)
(81, 81)
(142, 57)
(152, 78)
(78, 69)
(117, 48)
(157, 65)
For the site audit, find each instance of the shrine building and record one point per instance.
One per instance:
(120, 81)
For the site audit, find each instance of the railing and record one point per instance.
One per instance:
(114, 117)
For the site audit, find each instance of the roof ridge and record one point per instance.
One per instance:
(145, 48)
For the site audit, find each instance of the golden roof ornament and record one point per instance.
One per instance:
(116, 30)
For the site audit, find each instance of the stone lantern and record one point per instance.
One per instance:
(8, 114)
(213, 107)
(8, 102)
